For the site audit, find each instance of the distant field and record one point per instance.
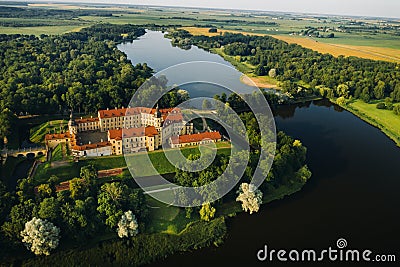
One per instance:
(370, 52)
(49, 30)
(204, 31)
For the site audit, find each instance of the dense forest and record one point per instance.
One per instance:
(303, 71)
(83, 71)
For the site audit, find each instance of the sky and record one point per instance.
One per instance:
(376, 8)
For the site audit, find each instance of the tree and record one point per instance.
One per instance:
(272, 73)
(341, 101)
(207, 212)
(396, 93)
(250, 197)
(396, 110)
(303, 173)
(343, 90)
(5, 200)
(128, 225)
(40, 236)
(80, 218)
(89, 174)
(44, 190)
(49, 208)
(115, 197)
(379, 90)
(6, 120)
(19, 215)
(110, 203)
(78, 188)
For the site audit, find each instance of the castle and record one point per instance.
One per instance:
(129, 130)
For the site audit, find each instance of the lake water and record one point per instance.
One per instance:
(353, 193)
(159, 54)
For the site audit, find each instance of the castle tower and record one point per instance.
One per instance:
(72, 127)
(157, 118)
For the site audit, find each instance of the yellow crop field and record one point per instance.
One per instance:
(369, 52)
(376, 53)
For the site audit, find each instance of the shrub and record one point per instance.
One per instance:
(381, 106)
(396, 110)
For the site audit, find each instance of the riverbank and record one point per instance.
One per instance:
(385, 120)
(249, 78)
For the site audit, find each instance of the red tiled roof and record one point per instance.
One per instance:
(91, 146)
(57, 136)
(189, 138)
(115, 134)
(173, 117)
(132, 132)
(85, 120)
(112, 113)
(151, 131)
(141, 131)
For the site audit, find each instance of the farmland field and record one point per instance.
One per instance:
(370, 52)
(336, 48)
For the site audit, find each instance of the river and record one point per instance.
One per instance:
(353, 193)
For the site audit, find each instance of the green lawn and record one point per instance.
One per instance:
(247, 69)
(241, 66)
(165, 218)
(386, 120)
(158, 159)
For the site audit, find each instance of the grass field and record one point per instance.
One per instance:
(385, 120)
(249, 78)
(49, 30)
(370, 52)
(158, 160)
(166, 218)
